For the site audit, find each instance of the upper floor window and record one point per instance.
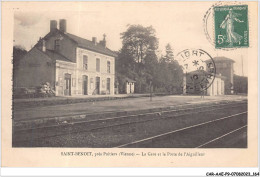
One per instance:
(98, 65)
(85, 62)
(108, 67)
(57, 45)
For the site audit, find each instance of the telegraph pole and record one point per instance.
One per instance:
(151, 95)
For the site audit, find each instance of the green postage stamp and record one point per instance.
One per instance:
(231, 26)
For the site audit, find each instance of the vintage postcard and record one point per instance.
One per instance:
(129, 84)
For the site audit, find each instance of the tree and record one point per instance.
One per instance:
(176, 79)
(18, 53)
(240, 84)
(137, 59)
(139, 40)
(151, 63)
(170, 75)
(169, 57)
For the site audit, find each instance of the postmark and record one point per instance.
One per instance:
(231, 26)
(199, 70)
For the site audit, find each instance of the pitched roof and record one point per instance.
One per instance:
(203, 72)
(129, 80)
(87, 44)
(37, 52)
(49, 54)
(83, 43)
(222, 59)
(56, 56)
(124, 78)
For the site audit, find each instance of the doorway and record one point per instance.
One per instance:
(130, 87)
(97, 85)
(85, 85)
(108, 85)
(67, 90)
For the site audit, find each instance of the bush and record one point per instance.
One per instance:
(44, 90)
(23, 92)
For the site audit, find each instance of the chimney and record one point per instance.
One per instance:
(53, 25)
(94, 40)
(43, 45)
(63, 25)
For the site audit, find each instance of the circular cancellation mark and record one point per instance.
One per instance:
(199, 70)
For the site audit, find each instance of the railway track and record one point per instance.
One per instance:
(176, 135)
(33, 123)
(222, 136)
(88, 126)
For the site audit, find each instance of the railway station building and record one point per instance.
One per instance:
(225, 67)
(223, 82)
(71, 64)
(213, 87)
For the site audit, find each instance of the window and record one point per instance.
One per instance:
(57, 45)
(108, 66)
(85, 62)
(98, 65)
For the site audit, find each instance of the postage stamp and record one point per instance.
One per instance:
(199, 70)
(231, 26)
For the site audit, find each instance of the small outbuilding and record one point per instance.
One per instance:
(217, 87)
(195, 80)
(129, 86)
(124, 85)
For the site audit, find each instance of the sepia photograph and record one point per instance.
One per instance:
(79, 82)
(138, 75)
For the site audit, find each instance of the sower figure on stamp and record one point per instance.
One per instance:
(228, 24)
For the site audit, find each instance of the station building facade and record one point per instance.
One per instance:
(225, 67)
(71, 64)
(213, 87)
(217, 87)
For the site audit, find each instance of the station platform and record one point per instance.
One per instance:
(59, 100)
(117, 105)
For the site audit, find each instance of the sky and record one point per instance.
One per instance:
(179, 24)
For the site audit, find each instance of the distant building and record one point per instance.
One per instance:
(71, 64)
(124, 84)
(129, 86)
(224, 67)
(194, 85)
(217, 87)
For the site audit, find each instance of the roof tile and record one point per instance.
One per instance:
(87, 44)
(56, 56)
